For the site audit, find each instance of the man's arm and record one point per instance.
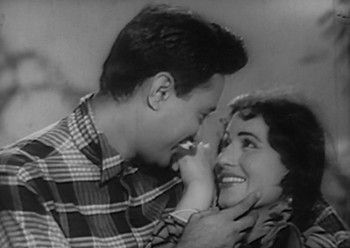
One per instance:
(24, 220)
(28, 229)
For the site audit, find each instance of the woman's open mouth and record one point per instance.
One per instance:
(229, 179)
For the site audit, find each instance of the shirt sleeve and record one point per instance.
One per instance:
(318, 237)
(288, 235)
(328, 230)
(24, 220)
(167, 232)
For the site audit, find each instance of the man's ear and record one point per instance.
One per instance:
(162, 86)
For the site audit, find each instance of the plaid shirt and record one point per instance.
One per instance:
(65, 186)
(326, 231)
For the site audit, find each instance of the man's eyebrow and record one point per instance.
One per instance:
(244, 133)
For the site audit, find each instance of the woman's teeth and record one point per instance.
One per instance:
(233, 180)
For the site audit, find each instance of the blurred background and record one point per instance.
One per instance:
(51, 53)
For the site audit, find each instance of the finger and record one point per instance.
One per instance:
(202, 145)
(181, 152)
(206, 146)
(245, 223)
(204, 149)
(215, 209)
(241, 207)
(240, 236)
(175, 166)
(206, 212)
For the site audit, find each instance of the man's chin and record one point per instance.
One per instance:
(159, 170)
(153, 163)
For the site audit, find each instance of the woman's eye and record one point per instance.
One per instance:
(247, 143)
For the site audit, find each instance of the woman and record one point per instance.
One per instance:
(277, 146)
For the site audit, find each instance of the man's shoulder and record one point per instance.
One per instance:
(39, 145)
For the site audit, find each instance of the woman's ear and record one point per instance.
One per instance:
(162, 87)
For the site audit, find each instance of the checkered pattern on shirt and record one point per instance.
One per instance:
(333, 229)
(65, 186)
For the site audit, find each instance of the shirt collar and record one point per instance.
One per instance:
(270, 222)
(93, 143)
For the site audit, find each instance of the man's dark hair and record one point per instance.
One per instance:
(171, 39)
(298, 136)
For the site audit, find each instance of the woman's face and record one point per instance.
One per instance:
(248, 164)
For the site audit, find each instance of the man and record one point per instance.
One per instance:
(101, 177)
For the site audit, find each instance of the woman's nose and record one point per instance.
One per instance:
(229, 156)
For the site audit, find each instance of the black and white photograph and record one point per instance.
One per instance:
(175, 124)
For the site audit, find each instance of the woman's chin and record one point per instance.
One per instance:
(230, 196)
(225, 202)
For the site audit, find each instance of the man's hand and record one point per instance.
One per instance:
(219, 229)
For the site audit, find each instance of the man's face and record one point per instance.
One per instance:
(178, 119)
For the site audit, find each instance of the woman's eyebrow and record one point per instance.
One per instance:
(245, 133)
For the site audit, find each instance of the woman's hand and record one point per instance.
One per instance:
(196, 166)
(197, 174)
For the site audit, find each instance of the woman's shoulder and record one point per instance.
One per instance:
(327, 228)
(327, 217)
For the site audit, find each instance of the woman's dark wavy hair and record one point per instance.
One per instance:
(171, 39)
(298, 136)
